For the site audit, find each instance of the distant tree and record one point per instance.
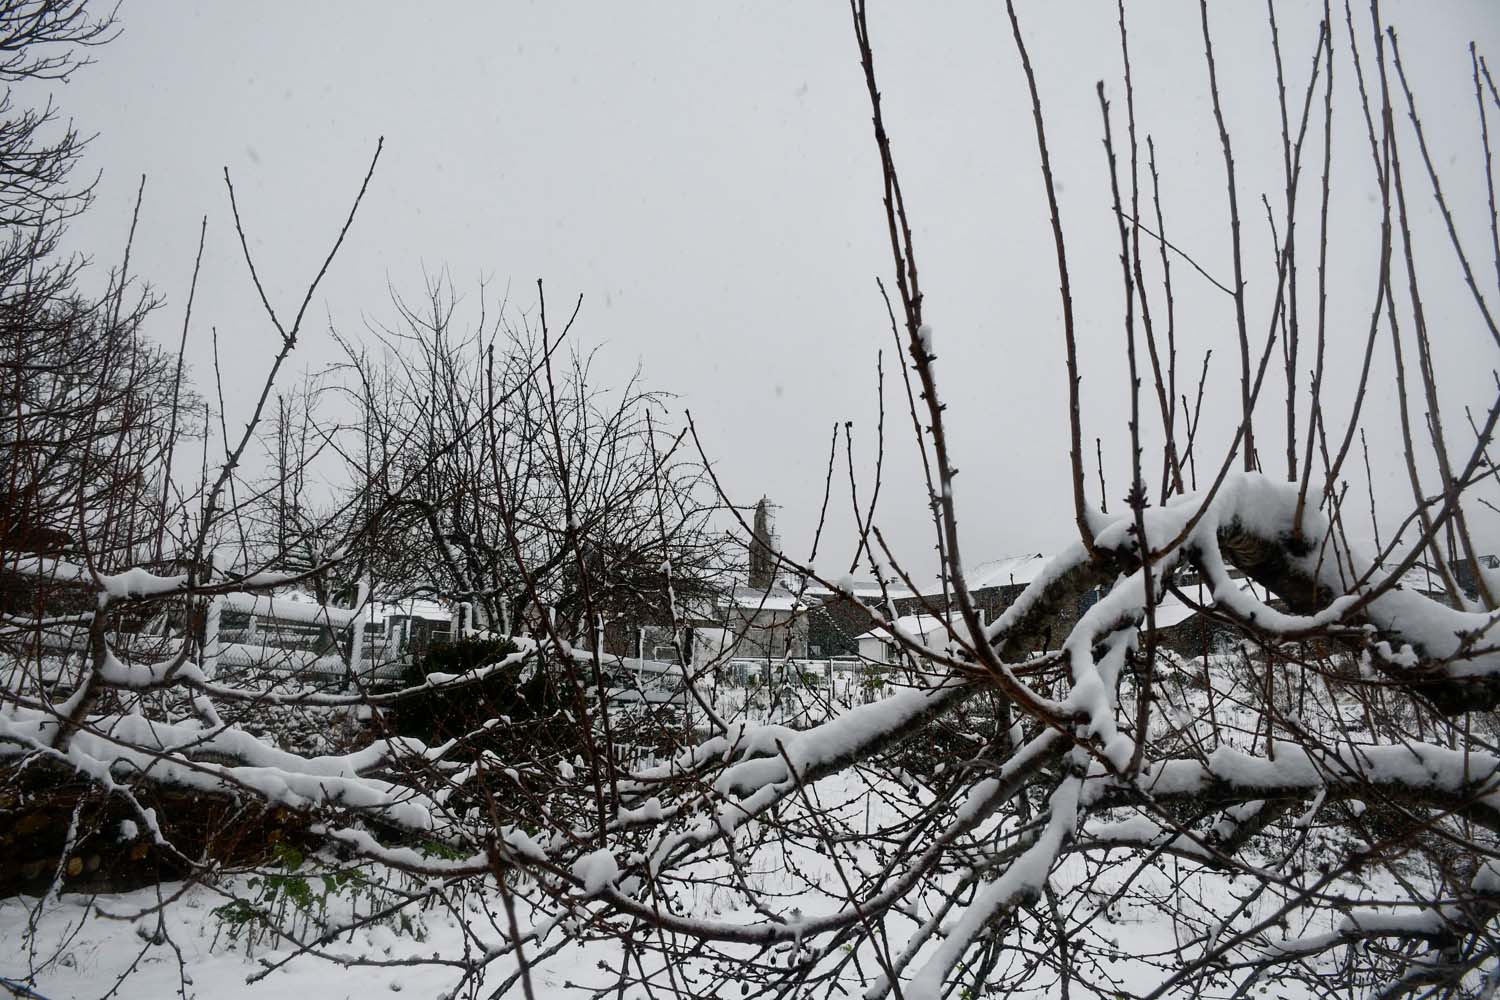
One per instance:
(88, 409)
(41, 41)
(495, 471)
(84, 402)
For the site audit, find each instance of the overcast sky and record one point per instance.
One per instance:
(704, 175)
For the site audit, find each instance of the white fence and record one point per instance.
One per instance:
(791, 691)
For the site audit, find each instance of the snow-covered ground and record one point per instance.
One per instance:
(1134, 917)
(131, 946)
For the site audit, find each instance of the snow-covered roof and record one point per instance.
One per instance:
(1172, 610)
(865, 590)
(1007, 571)
(916, 626)
(774, 599)
(1423, 579)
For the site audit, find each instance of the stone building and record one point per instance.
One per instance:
(765, 617)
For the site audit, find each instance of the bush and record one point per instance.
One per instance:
(458, 657)
(520, 692)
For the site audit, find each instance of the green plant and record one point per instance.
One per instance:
(293, 900)
(437, 849)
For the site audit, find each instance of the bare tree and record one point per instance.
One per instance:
(506, 479)
(1316, 810)
(40, 40)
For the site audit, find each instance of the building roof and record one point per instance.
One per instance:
(863, 590)
(776, 598)
(1421, 578)
(1007, 571)
(1172, 610)
(917, 626)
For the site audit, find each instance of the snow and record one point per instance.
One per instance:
(290, 609)
(365, 961)
(753, 599)
(1020, 883)
(131, 583)
(140, 583)
(863, 590)
(141, 676)
(1050, 571)
(1411, 767)
(921, 629)
(1006, 571)
(752, 776)
(1172, 611)
(162, 749)
(596, 871)
(1257, 505)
